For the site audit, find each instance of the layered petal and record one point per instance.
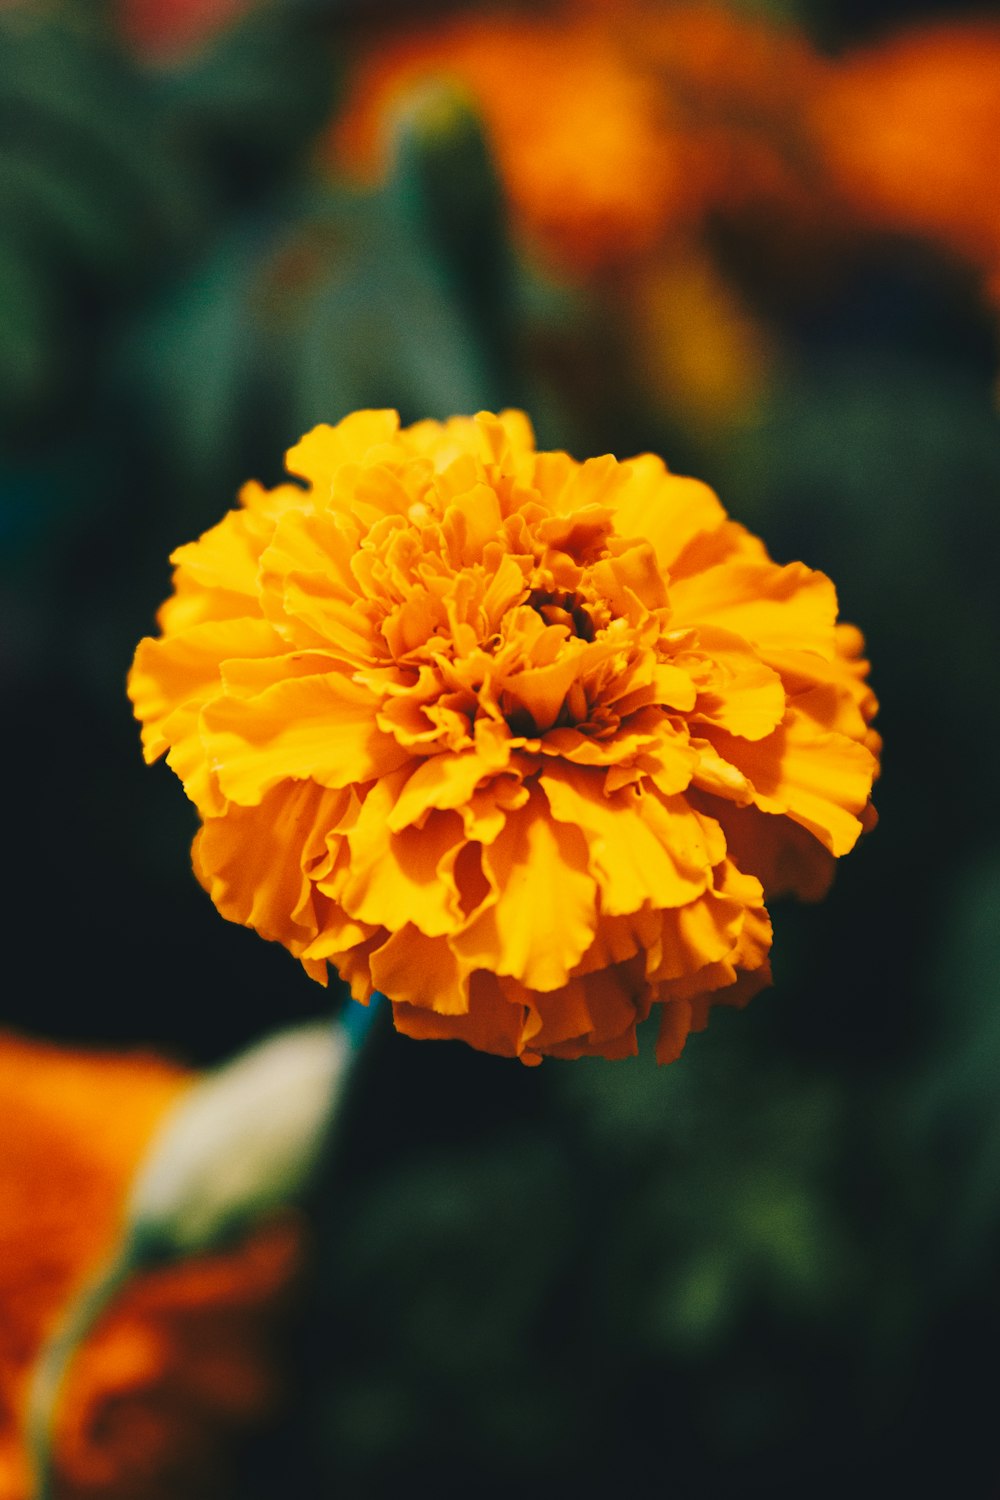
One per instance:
(320, 727)
(820, 778)
(545, 909)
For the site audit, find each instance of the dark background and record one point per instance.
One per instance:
(770, 1268)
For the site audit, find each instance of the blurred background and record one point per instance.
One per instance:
(761, 238)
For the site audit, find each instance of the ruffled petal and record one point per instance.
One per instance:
(546, 903)
(309, 592)
(412, 871)
(635, 850)
(492, 1023)
(319, 456)
(252, 860)
(594, 1015)
(319, 727)
(821, 779)
(773, 608)
(737, 691)
(417, 970)
(666, 509)
(448, 781)
(173, 676)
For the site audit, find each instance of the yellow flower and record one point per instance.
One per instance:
(522, 742)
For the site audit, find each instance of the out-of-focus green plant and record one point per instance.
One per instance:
(338, 300)
(93, 191)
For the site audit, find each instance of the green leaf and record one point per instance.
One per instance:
(26, 345)
(196, 353)
(95, 196)
(334, 300)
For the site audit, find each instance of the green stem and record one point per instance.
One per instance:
(56, 1358)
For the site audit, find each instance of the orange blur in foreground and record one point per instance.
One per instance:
(182, 1363)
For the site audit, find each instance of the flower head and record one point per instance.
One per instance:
(520, 741)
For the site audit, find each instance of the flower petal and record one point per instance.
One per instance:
(545, 912)
(172, 676)
(666, 509)
(322, 452)
(308, 590)
(819, 778)
(785, 608)
(411, 871)
(640, 848)
(492, 1022)
(251, 861)
(738, 692)
(414, 969)
(448, 780)
(319, 727)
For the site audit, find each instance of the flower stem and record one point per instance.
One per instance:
(358, 1020)
(56, 1358)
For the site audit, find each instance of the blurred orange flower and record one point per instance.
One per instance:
(910, 130)
(585, 143)
(522, 742)
(628, 132)
(182, 1361)
(622, 132)
(614, 125)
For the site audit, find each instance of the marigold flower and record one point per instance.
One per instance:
(694, 342)
(520, 741)
(182, 1362)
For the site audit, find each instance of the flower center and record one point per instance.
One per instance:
(563, 609)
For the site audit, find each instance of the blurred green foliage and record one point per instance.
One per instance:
(767, 1269)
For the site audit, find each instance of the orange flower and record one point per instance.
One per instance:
(911, 132)
(623, 132)
(181, 1362)
(586, 142)
(519, 741)
(614, 125)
